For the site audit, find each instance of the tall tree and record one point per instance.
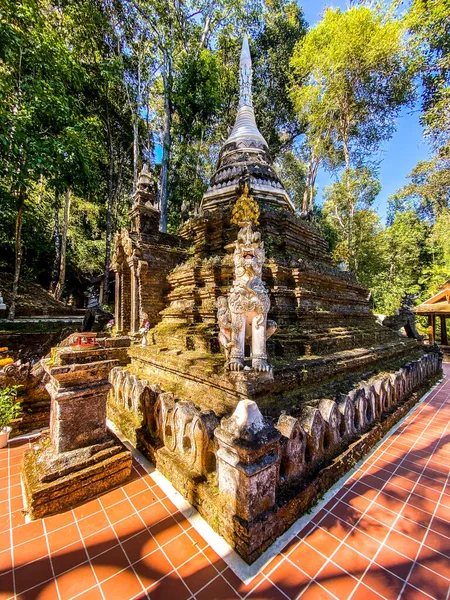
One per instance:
(351, 77)
(429, 22)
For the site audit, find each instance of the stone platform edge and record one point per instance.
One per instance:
(240, 568)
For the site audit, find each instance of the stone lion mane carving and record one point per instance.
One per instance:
(243, 315)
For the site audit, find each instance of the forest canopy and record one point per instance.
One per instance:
(90, 90)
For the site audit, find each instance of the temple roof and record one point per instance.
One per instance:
(439, 303)
(245, 155)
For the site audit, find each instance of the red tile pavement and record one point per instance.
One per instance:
(385, 534)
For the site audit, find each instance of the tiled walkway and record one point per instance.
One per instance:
(386, 534)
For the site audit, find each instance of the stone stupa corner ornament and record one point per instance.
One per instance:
(242, 316)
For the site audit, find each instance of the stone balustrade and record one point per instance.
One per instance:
(250, 464)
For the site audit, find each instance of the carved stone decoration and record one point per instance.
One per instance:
(314, 425)
(293, 445)
(332, 417)
(243, 315)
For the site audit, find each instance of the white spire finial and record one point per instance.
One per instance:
(245, 75)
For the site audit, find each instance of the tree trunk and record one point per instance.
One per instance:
(135, 153)
(18, 254)
(167, 140)
(62, 266)
(57, 242)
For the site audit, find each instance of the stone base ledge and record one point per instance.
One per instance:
(63, 483)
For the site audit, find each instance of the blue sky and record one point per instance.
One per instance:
(401, 153)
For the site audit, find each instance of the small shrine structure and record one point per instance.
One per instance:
(437, 306)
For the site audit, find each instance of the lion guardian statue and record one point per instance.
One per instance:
(243, 315)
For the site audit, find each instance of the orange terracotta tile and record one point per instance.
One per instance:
(338, 528)
(135, 486)
(152, 568)
(373, 528)
(394, 562)
(237, 584)
(63, 537)
(119, 511)
(4, 523)
(362, 592)
(316, 592)
(411, 529)
(68, 558)
(6, 585)
(276, 560)
(179, 550)
(29, 551)
(196, 538)
(46, 591)
(429, 582)
(434, 561)
(384, 583)
(153, 514)
(101, 541)
(214, 559)
(307, 559)
(322, 541)
(337, 581)
(124, 585)
(58, 521)
(6, 560)
(139, 546)
(351, 561)
(75, 581)
(159, 492)
(290, 579)
(93, 523)
(33, 574)
(356, 501)
(362, 543)
(166, 530)
(88, 508)
(109, 563)
(402, 544)
(143, 499)
(169, 587)
(112, 497)
(381, 514)
(440, 526)
(412, 593)
(128, 527)
(197, 572)
(17, 518)
(219, 589)
(92, 594)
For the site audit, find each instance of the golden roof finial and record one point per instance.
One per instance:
(246, 209)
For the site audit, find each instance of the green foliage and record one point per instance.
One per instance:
(9, 407)
(352, 76)
(428, 21)
(403, 253)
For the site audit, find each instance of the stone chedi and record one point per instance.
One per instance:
(251, 420)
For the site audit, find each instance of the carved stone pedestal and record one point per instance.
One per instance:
(80, 458)
(248, 459)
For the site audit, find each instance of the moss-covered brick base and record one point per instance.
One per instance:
(55, 482)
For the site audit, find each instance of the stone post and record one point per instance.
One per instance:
(248, 461)
(78, 395)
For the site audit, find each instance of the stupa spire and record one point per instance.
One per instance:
(245, 125)
(245, 156)
(245, 75)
